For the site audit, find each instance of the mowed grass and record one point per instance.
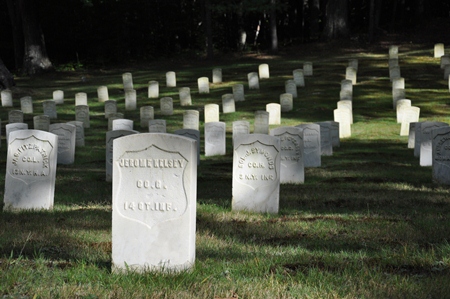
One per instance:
(369, 223)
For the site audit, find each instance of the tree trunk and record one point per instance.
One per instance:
(273, 26)
(6, 79)
(17, 33)
(314, 14)
(35, 58)
(242, 38)
(336, 25)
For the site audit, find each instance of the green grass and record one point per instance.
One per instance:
(369, 223)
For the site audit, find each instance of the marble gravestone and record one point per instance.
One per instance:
(263, 71)
(110, 108)
(346, 104)
(308, 68)
(228, 104)
(261, 125)
(110, 137)
(157, 126)
(130, 99)
(274, 110)
(397, 94)
(215, 139)
(445, 60)
(402, 104)
(82, 114)
(49, 108)
(426, 138)
(241, 127)
(58, 97)
(394, 72)
(439, 50)
(41, 122)
(238, 92)
(79, 134)
(311, 145)
(122, 124)
(146, 113)
(185, 96)
(343, 117)
(412, 135)
(253, 80)
(211, 113)
(153, 90)
(441, 155)
(81, 99)
(15, 116)
(217, 75)
(14, 127)
(393, 62)
(393, 52)
(410, 114)
(351, 74)
(417, 135)
(291, 87)
(127, 80)
(102, 94)
(26, 104)
(171, 79)
(398, 82)
(256, 173)
(66, 142)
(166, 106)
(286, 102)
(193, 134)
(353, 63)
(299, 77)
(154, 203)
(203, 84)
(6, 97)
(113, 117)
(30, 170)
(191, 119)
(292, 169)
(335, 139)
(326, 139)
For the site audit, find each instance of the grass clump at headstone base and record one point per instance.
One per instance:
(369, 223)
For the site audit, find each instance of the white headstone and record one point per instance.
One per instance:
(326, 138)
(102, 94)
(146, 113)
(26, 105)
(122, 124)
(441, 155)
(253, 80)
(347, 85)
(41, 122)
(299, 77)
(49, 107)
(153, 89)
(291, 87)
(353, 63)
(14, 127)
(110, 137)
(215, 138)
(110, 108)
(345, 95)
(417, 135)
(238, 92)
(203, 84)
(447, 72)
(426, 137)
(185, 96)
(311, 145)
(113, 117)
(261, 125)
(211, 113)
(154, 203)
(228, 105)
(307, 68)
(412, 135)
(351, 74)
(82, 114)
(66, 142)
(335, 139)
(394, 72)
(445, 60)
(241, 127)
(193, 134)
(58, 97)
(286, 102)
(30, 170)
(346, 104)
(274, 110)
(217, 75)
(398, 82)
(402, 104)
(438, 50)
(157, 126)
(79, 134)
(256, 173)
(263, 71)
(292, 169)
(166, 106)
(81, 99)
(6, 96)
(130, 99)
(127, 80)
(393, 62)
(15, 116)
(191, 119)
(171, 79)
(397, 94)
(393, 52)
(343, 117)
(410, 114)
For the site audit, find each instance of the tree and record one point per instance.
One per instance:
(6, 79)
(273, 26)
(24, 14)
(336, 24)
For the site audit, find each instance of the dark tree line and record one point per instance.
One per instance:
(36, 33)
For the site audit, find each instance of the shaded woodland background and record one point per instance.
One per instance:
(38, 35)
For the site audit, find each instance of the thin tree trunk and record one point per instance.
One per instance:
(6, 79)
(17, 33)
(273, 26)
(336, 25)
